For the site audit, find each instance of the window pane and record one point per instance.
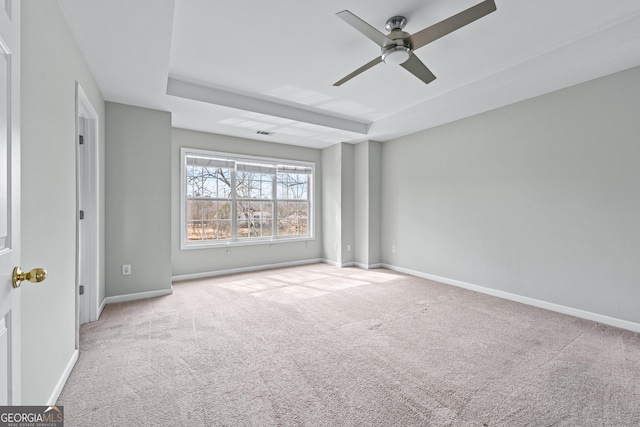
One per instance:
(283, 186)
(254, 185)
(255, 219)
(194, 220)
(194, 230)
(293, 186)
(208, 209)
(304, 189)
(208, 220)
(243, 185)
(265, 188)
(194, 210)
(224, 183)
(303, 227)
(217, 210)
(293, 219)
(216, 220)
(217, 230)
(208, 182)
(216, 183)
(254, 189)
(194, 181)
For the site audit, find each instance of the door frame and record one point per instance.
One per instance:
(87, 229)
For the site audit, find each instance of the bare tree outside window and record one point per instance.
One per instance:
(231, 200)
(293, 204)
(254, 192)
(208, 203)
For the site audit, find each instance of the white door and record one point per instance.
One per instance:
(87, 222)
(81, 223)
(9, 201)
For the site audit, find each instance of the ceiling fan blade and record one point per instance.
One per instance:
(418, 69)
(451, 24)
(366, 29)
(362, 69)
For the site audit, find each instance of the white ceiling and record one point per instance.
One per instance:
(236, 67)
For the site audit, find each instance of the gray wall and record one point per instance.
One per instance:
(540, 198)
(348, 204)
(361, 203)
(193, 261)
(138, 196)
(338, 204)
(375, 202)
(332, 203)
(51, 65)
(367, 213)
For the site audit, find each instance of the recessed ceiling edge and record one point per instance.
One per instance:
(197, 92)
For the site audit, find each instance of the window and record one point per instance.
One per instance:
(292, 203)
(208, 199)
(228, 199)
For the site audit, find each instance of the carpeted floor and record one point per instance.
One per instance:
(322, 346)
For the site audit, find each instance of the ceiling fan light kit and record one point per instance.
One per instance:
(396, 55)
(398, 46)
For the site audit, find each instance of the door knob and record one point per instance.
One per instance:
(36, 275)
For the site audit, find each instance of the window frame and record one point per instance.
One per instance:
(185, 244)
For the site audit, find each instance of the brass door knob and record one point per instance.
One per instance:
(36, 275)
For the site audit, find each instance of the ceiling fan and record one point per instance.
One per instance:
(398, 46)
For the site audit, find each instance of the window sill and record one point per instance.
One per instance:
(239, 243)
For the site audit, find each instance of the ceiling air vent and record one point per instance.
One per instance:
(263, 132)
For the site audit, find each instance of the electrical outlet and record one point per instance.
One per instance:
(126, 269)
(348, 248)
(393, 249)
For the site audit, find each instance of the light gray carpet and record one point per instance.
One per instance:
(322, 346)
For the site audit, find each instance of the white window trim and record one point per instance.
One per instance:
(208, 244)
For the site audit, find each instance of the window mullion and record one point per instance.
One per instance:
(201, 203)
(274, 206)
(234, 209)
(310, 205)
(202, 220)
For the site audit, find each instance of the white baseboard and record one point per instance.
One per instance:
(101, 307)
(368, 266)
(330, 262)
(352, 264)
(337, 264)
(138, 295)
(63, 379)
(600, 318)
(243, 270)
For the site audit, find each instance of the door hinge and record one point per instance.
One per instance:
(81, 214)
(81, 140)
(81, 289)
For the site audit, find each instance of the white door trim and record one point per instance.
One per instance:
(87, 229)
